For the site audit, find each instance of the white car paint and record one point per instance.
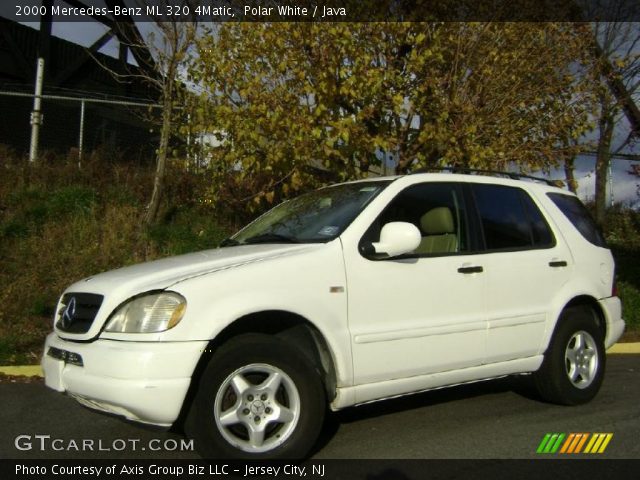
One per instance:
(392, 327)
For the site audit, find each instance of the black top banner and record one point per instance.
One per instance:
(323, 10)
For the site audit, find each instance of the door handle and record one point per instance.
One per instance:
(467, 270)
(557, 263)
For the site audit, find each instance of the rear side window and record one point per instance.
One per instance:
(575, 211)
(510, 219)
(542, 236)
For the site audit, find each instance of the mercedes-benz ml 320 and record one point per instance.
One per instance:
(352, 293)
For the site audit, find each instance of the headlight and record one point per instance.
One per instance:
(151, 313)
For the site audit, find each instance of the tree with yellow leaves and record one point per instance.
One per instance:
(297, 103)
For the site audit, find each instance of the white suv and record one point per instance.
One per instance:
(350, 294)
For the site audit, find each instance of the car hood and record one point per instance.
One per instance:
(162, 274)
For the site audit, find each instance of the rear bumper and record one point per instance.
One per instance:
(142, 381)
(612, 309)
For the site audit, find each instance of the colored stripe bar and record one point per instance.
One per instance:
(598, 442)
(550, 443)
(567, 442)
(555, 447)
(606, 442)
(590, 444)
(574, 444)
(543, 443)
(581, 443)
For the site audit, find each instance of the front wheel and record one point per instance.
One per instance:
(258, 398)
(574, 363)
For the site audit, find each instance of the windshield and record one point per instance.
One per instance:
(318, 216)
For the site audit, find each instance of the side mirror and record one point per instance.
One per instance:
(397, 238)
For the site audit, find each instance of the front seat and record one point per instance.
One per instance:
(438, 229)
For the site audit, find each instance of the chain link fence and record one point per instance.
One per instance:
(75, 123)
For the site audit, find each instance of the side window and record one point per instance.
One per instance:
(436, 209)
(510, 219)
(575, 211)
(542, 235)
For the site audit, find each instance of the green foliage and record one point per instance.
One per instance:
(622, 227)
(32, 206)
(58, 225)
(14, 228)
(189, 230)
(71, 200)
(11, 352)
(630, 295)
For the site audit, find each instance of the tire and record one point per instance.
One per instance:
(258, 398)
(574, 363)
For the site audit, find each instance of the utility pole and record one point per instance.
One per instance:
(36, 115)
(81, 136)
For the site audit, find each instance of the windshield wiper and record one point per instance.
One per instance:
(270, 237)
(229, 242)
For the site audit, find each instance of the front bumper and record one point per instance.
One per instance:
(612, 308)
(142, 381)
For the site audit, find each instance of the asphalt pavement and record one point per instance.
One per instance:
(498, 419)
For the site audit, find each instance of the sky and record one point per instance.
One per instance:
(623, 187)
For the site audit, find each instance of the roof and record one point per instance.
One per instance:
(477, 176)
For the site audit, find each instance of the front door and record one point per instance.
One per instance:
(424, 312)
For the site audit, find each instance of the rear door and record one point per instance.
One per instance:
(525, 264)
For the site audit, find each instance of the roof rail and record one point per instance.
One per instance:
(497, 173)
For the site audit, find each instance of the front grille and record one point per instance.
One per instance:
(77, 312)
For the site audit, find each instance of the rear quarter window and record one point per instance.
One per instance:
(578, 215)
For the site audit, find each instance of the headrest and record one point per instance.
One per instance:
(437, 221)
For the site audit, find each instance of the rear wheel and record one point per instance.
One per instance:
(258, 398)
(574, 364)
